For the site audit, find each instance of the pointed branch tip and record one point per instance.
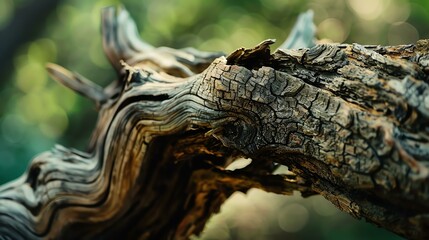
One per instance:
(77, 83)
(302, 34)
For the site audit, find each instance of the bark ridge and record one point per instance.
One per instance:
(350, 121)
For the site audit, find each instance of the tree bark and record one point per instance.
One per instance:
(350, 121)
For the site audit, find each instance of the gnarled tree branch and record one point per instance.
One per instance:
(350, 121)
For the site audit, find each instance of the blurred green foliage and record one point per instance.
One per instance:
(36, 113)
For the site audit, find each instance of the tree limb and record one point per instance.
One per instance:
(350, 121)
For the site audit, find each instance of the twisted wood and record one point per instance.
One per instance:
(350, 121)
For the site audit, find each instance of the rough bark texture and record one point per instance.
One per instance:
(350, 121)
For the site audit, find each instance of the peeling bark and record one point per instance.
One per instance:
(350, 121)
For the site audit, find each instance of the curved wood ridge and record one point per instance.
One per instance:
(350, 121)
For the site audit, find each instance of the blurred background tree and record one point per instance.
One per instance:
(36, 113)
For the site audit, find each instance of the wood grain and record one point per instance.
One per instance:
(350, 121)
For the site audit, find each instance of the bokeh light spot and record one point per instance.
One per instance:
(396, 11)
(293, 217)
(212, 30)
(7, 159)
(275, 4)
(245, 37)
(189, 7)
(332, 29)
(42, 50)
(323, 207)
(64, 98)
(6, 12)
(216, 44)
(12, 127)
(402, 33)
(367, 9)
(55, 124)
(31, 76)
(97, 56)
(68, 14)
(31, 107)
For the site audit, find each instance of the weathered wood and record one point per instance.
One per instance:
(350, 121)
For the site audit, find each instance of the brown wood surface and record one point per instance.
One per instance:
(350, 121)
